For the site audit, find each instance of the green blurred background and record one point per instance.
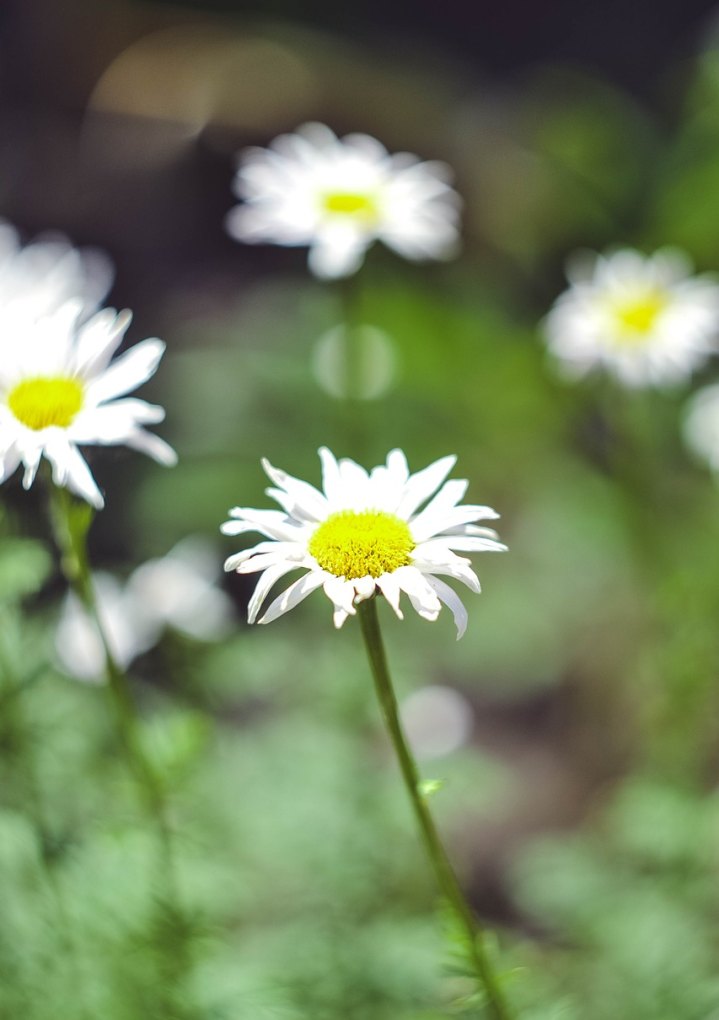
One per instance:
(580, 800)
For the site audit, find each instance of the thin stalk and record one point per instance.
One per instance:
(352, 367)
(444, 872)
(75, 566)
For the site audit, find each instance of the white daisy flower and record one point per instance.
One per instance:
(39, 278)
(178, 590)
(59, 390)
(645, 320)
(701, 425)
(339, 196)
(364, 533)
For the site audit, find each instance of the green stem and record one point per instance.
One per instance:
(71, 541)
(353, 409)
(444, 872)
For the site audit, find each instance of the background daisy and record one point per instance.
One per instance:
(339, 196)
(646, 321)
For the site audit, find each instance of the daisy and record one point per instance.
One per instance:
(645, 320)
(364, 533)
(177, 591)
(338, 196)
(701, 425)
(59, 390)
(39, 278)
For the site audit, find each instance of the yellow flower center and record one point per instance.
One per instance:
(46, 400)
(350, 203)
(637, 317)
(368, 543)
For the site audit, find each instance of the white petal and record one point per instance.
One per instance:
(337, 253)
(421, 595)
(364, 588)
(31, 459)
(128, 372)
(469, 543)
(391, 590)
(452, 601)
(9, 463)
(421, 485)
(111, 423)
(271, 523)
(313, 503)
(448, 496)
(296, 592)
(341, 594)
(331, 478)
(70, 469)
(152, 445)
(98, 339)
(262, 588)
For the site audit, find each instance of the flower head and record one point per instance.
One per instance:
(339, 196)
(364, 533)
(646, 320)
(59, 390)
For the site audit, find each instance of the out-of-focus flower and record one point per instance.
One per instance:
(339, 196)
(645, 320)
(37, 279)
(364, 533)
(177, 591)
(437, 720)
(77, 642)
(180, 591)
(59, 390)
(701, 425)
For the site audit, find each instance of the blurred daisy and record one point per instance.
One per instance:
(645, 320)
(701, 425)
(177, 591)
(364, 534)
(40, 277)
(59, 389)
(339, 196)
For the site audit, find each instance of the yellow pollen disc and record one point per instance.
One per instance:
(350, 203)
(365, 544)
(46, 400)
(637, 318)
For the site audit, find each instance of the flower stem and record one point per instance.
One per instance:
(72, 543)
(444, 872)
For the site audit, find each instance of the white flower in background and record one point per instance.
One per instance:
(645, 320)
(339, 196)
(362, 534)
(77, 642)
(177, 591)
(60, 390)
(701, 425)
(180, 591)
(39, 278)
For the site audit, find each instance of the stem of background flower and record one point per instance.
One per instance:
(446, 878)
(352, 367)
(13, 717)
(71, 541)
